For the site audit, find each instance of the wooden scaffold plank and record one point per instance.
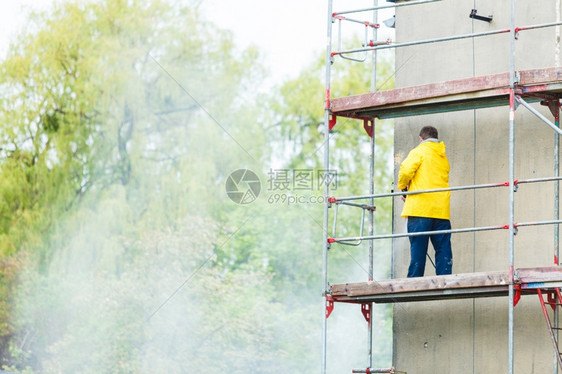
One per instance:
(454, 286)
(461, 94)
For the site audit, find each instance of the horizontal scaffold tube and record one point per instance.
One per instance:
(538, 26)
(458, 188)
(366, 23)
(426, 41)
(537, 180)
(369, 370)
(363, 206)
(448, 38)
(472, 229)
(538, 223)
(402, 235)
(338, 200)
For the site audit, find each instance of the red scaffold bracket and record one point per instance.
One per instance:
(332, 121)
(553, 106)
(517, 294)
(366, 311)
(552, 298)
(368, 126)
(329, 306)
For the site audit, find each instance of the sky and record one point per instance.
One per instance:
(12, 18)
(290, 33)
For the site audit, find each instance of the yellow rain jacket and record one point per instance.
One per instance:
(426, 168)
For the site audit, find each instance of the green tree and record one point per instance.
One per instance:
(100, 87)
(120, 123)
(116, 119)
(298, 116)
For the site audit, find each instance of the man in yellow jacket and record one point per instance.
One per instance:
(427, 168)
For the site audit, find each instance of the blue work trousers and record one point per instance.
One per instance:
(418, 246)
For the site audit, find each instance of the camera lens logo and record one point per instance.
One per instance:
(243, 186)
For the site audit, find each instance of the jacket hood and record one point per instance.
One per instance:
(435, 145)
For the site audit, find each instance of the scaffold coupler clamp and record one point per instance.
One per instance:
(329, 303)
(371, 208)
(517, 73)
(366, 370)
(371, 370)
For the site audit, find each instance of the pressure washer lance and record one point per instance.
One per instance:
(430, 260)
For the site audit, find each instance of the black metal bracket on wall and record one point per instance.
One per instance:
(473, 14)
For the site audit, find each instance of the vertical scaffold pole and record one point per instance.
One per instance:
(511, 183)
(556, 217)
(372, 186)
(371, 233)
(325, 244)
(556, 174)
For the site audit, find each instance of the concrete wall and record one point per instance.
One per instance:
(470, 336)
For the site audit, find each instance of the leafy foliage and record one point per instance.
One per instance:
(121, 121)
(299, 121)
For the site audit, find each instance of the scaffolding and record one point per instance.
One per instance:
(513, 89)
